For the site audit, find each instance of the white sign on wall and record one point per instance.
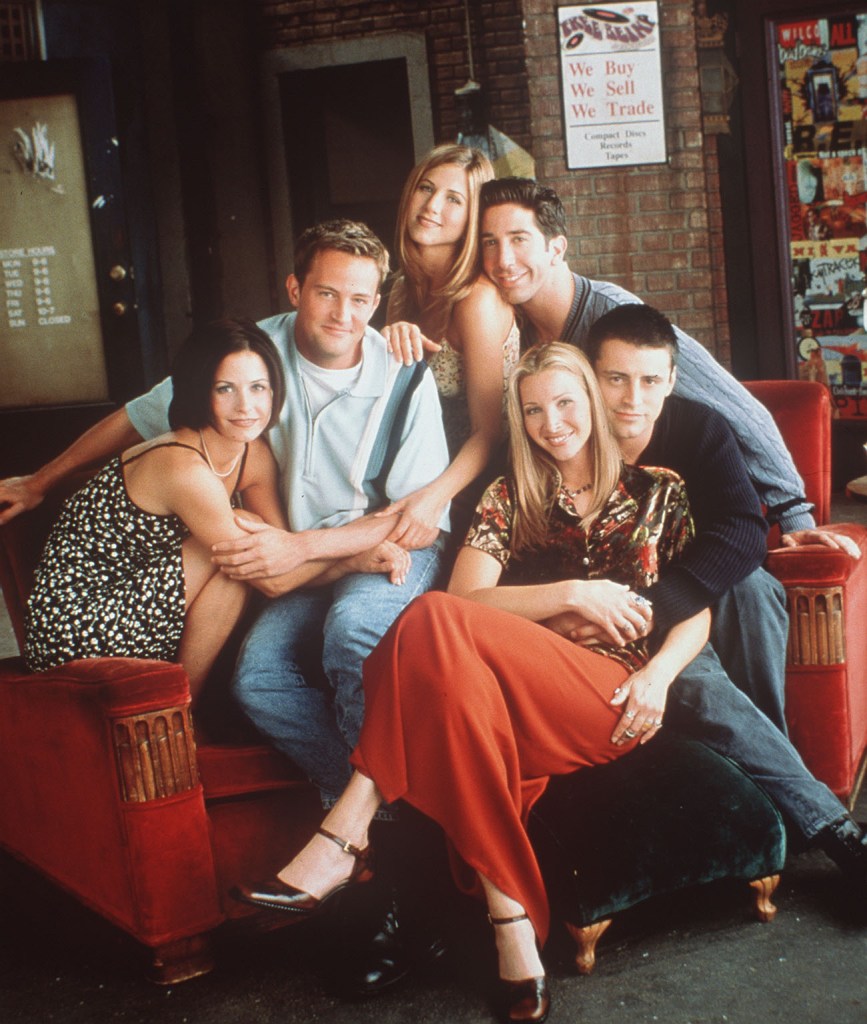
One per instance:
(611, 79)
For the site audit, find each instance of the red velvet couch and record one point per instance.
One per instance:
(826, 674)
(106, 790)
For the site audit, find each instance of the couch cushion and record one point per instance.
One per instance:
(228, 770)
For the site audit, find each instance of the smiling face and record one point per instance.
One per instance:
(241, 397)
(438, 209)
(335, 303)
(635, 381)
(557, 418)
(516, 256)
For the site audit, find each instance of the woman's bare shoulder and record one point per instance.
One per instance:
(175, 448)
(483, 300)
(483, 292)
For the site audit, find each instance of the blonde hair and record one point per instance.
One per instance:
(535, 473)
(409, 298)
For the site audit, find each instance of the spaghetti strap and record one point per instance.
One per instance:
(173, 444)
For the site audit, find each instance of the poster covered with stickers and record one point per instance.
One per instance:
(823, 90)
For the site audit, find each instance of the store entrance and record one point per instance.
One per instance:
(349, 143)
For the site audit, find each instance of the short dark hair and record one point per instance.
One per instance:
(198, 359)
(636, 324)
(543, 201)
(349, 236)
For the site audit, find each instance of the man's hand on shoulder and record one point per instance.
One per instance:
(839, 541)
(18, 494)
(263, 552)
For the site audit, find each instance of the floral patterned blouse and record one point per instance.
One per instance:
(643, 526)
(447, 367)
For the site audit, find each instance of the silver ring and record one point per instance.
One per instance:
(637, 599)
(630, 715)
(630, 734)
(658, 722)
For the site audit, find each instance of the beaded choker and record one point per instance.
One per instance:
(578, 490)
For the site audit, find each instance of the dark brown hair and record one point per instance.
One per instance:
(196, 365)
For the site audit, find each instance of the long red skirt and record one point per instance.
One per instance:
(469, 711)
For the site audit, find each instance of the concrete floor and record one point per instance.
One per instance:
(697, 958)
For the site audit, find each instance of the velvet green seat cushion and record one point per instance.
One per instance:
(670, 814)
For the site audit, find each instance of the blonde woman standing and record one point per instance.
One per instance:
(441, 303)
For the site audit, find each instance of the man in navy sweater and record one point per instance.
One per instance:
(633, 349)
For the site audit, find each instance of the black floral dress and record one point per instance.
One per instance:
(110, 581)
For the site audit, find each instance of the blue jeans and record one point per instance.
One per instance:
(298, 675)
(749, 632)
(705, 704)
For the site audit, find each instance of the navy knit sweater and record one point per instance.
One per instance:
(731, 532)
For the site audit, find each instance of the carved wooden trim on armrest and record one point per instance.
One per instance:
(816, 630)
(156, 754)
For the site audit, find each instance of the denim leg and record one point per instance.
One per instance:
(749, 632)
(280, 684)
(364, 607)
(298, 675)
(704, 703)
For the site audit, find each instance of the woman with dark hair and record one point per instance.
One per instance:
(127, 569)
(440, 294)
(472, 704)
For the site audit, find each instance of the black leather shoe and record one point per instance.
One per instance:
(276, 895)
(845, 842)
(393, 952)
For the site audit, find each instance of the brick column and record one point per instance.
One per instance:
(655, 229)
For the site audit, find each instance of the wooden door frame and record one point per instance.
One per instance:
(411, 47)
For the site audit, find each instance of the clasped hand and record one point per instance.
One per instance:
(386, 557)
(264, 552)
(418, 519)
(602, 610)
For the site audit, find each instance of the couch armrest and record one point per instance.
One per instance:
(101, 791)
(816, 579)
(826, 674)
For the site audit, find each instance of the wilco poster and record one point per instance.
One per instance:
(611, 82)
(822, 110)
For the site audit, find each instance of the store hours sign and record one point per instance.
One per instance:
(611, 81)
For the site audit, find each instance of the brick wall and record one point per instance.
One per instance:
(651, 229)
(497, 47)
(656, 230)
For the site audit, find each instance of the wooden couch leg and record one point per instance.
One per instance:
(180, 960)
(763, 890)
(586, 939)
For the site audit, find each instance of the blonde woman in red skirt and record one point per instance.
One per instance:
(473, 702)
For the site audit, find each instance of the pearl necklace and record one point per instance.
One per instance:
(207, 455)
(578, 490)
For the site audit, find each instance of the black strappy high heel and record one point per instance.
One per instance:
(276, 895)
(527, 1000)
